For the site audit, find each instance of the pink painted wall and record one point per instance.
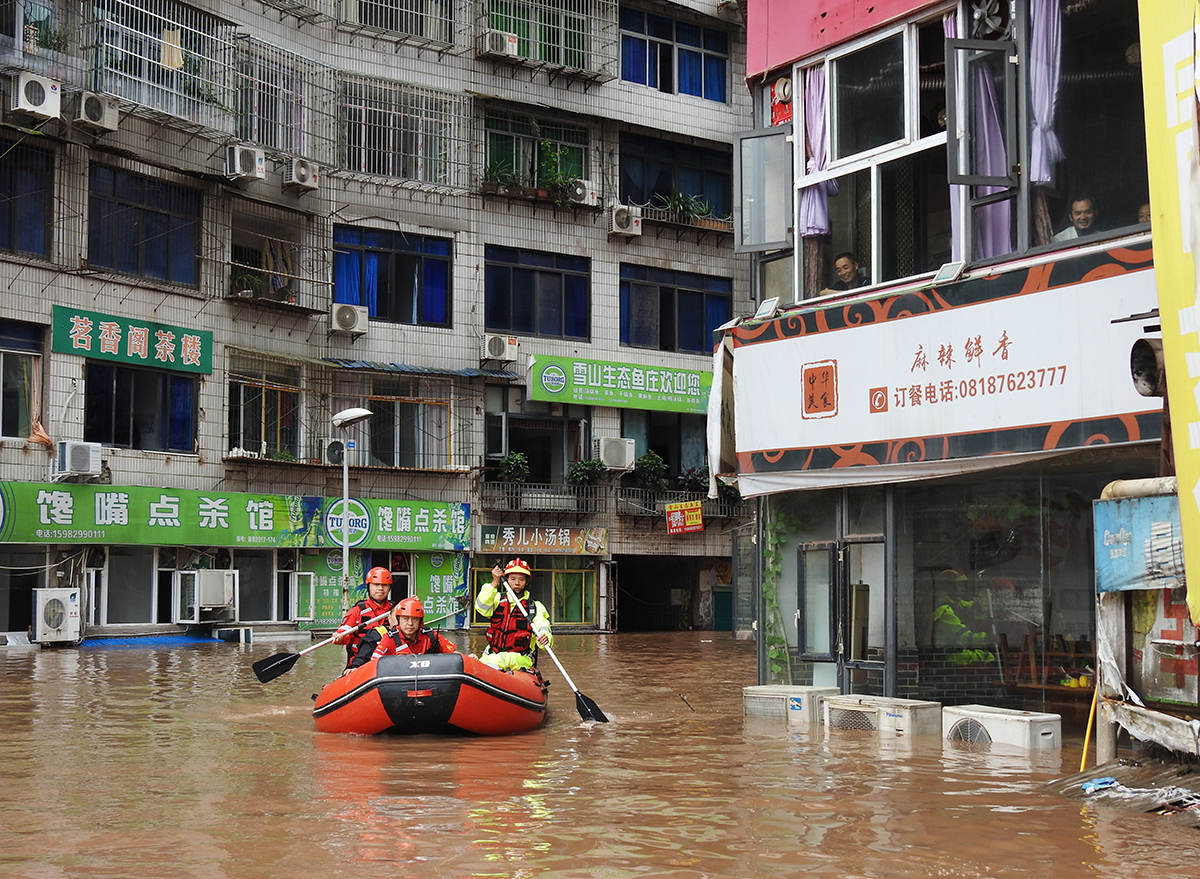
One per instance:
(779, 32)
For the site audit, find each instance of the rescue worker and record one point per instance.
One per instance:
(377, 603)
(512, 638)
(406, 635)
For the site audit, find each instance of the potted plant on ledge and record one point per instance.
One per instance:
(513, 469)
(582, 475)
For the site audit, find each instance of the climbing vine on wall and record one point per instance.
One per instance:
(778, 531)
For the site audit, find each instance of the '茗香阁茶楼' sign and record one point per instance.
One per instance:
(134, 515)
(624, 385)
(131, 340)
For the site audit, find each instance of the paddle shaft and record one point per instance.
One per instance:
(368, 623)
(512, 597)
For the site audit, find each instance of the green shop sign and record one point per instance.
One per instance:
(133, 515)
(625, 385)
(131, 340)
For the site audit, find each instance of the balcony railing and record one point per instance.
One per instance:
(641, 502)
(545, 497)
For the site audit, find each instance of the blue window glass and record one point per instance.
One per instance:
(672, 311)
(674, 56)
(651, 169)
(400, 278)
(537, 293)
(26, 190)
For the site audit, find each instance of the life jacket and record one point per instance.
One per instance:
(509, 629)
(366, 610)
(391, 641)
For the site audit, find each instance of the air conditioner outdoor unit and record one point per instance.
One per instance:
(57, 616)
(78, 459)
(35, 95)
(216, 589)
(614, 452)
(101, 112)
(498, 44)
(898, 717)
(245, 163)
(584, 192)
(626, 220)
(332, 450)
(302, 174)
(798, 704)
(497, 347)
(345, 318)
(984, 724)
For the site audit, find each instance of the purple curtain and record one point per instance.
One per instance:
(1045, 67)
(950, 30)
(814, 200)
(993, 222)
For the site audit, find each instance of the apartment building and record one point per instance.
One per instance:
(937, 384)
(498, 227)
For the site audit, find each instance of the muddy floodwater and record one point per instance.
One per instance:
(174, 761)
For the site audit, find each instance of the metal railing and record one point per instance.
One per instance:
(545, 497)
(642, 502)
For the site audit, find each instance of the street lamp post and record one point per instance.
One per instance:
(346, 419)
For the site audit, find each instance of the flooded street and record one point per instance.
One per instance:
(176, 762)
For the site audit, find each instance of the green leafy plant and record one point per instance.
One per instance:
(587, 472)
(650, 472)
(728, 493)
(244, 281)
(496, 175)
(683, 206)
(513, 468)
(693, 479)
(550, 174)
(283, 455)
(777, 533)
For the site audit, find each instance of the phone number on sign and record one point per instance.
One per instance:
(69, 534)
(1025, 380)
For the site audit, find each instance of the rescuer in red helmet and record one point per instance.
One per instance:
(377, 603)
(512, 638)
(406, 635)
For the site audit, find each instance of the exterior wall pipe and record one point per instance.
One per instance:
(1122, 488)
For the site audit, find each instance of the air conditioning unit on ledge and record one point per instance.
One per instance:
(345, 318)
(332, 451)
(99, 112)
(498, 44)
(497, 347)
(585, 192)
(78, 459)
(57, 616)
(302, 174)
(245, 163)
(894, 717)
(614, 452)
(626, 220)
(35, 96)
(984, 724)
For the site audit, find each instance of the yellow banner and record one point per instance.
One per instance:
(1169, 51)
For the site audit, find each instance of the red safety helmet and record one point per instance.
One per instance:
(379, 575)
(518, 566)
(411, 607)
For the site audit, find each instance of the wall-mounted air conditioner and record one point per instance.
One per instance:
(614, 452)
(344, 318)
(799, 704)
(626, 220)
(301, 174)
(897, 717)
(498, 347)
(57, 615)
(78, 459)
(983, 724)
(99, 112)
(35, 95)
(584, 192)
(216, 589)
(245, 163)
(332, 450)
(498, 44)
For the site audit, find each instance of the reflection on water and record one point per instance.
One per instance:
(178, 762)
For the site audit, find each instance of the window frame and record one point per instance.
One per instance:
(655, 45)
(94, 407)
(664, 288)
(411, 18)
(272, 440)
(32, 395)
(425, 274)
(743, 194)
(533, 22)
(396, 424)
(634, 146)
(527, 159)
(957, 104)
(542, 265)
(14, 165)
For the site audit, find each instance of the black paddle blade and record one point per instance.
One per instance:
(588, 709)
(273, 666)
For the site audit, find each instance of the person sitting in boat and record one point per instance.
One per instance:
(512, 637)
(407, 635)
(377, 603)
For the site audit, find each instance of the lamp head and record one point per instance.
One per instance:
(347, 417)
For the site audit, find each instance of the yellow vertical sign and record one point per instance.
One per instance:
(1169, 44)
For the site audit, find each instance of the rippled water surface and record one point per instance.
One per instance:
(166, 762)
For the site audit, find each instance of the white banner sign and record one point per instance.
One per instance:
(1052, 357)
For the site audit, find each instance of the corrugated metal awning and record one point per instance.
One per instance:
(377, 366)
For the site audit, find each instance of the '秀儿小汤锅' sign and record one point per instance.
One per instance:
(131, 340)
(685, 517)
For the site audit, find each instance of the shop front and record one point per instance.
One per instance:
(926, 517)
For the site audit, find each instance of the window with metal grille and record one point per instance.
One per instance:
(264, 408)
(396, 130)
(537, 293)
(270, 103)
(527, 148)
(674, 56)
(143, 227)
(26, 188)
(399, 277)
(672, 311)
(431, 19)
(557, 32)
(408, 429)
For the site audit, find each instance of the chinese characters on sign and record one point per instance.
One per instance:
(536, 540)
(819, 381)
(131, 340)
(600, 383)
(685, 517)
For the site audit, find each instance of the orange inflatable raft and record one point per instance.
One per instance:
(431, 693)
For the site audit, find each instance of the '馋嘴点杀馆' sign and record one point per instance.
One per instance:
(131, 340)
